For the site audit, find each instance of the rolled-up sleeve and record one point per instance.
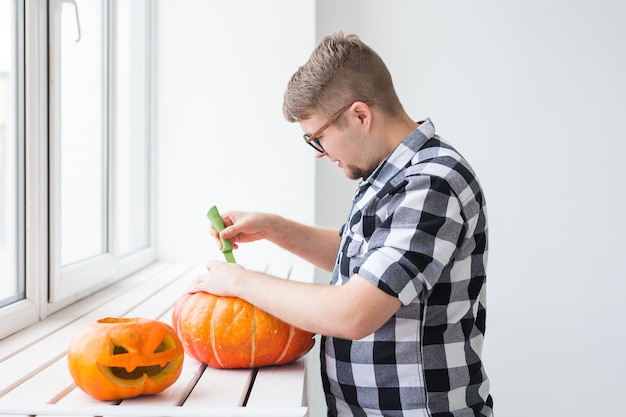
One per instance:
(419, 232)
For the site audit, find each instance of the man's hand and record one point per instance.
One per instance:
(242, 227)
(220, 279)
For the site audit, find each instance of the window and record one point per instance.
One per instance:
(132, 126)
(79, 110)
(75, 150)
(99, 107)
(11, 161)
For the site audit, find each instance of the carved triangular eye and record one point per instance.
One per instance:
(119, 350)
(161, 347)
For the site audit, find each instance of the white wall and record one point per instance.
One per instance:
(533, 92)
(222, 139)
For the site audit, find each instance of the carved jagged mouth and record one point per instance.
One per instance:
(138, 376)
(138, 372)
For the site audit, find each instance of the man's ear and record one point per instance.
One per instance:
(363, 112)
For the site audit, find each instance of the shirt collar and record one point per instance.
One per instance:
(401, 155)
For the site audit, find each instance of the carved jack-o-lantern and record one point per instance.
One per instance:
(115, 358)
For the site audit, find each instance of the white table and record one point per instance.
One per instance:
(34, 379)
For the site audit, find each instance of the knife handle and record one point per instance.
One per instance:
(216, 220)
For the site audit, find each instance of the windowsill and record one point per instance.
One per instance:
(35, 379)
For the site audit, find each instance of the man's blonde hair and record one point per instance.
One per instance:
(341, 70)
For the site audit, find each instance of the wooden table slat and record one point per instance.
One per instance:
(290, 377)
(42, 388)
(220, 387)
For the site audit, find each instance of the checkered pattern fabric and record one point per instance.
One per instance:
(418, 231)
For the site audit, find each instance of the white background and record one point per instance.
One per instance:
(532, 92)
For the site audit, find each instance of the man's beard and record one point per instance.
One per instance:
(356, 173)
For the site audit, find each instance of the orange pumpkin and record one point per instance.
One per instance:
(115, 358)
(226, 332)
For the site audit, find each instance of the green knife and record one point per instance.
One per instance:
(216, 220)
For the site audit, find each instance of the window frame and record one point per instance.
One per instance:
(32, 126)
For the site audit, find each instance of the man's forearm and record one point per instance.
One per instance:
(351, 311)
(315, 244)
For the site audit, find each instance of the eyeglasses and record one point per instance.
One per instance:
(314, 139)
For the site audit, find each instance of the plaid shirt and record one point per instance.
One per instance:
(418, 231)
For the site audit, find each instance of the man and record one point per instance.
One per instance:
(404, 319)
